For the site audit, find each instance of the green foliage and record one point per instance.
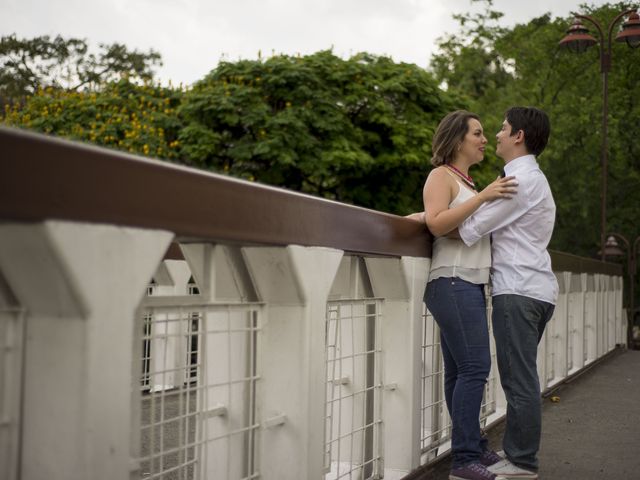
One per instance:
(27, 65)
(125, 116)
(356, 130)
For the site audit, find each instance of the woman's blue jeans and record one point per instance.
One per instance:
(459, 308)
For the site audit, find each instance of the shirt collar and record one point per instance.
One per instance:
(520, 163)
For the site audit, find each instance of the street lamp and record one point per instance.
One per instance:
(578, 40)
(612, 249)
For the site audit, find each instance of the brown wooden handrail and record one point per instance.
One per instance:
(42, 177)
(567, 262)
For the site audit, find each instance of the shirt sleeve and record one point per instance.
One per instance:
(493, 216)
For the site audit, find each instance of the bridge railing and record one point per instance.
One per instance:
(161, 322)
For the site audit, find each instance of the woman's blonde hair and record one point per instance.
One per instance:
(449, 135)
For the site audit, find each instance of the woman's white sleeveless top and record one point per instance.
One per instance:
(452, 258)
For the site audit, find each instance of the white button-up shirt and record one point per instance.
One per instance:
(521, 229)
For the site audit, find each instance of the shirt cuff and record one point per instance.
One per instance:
(468, 234)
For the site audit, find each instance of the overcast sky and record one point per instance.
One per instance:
(193, 35)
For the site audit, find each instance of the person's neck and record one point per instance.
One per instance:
(514, 156)
(460, 165)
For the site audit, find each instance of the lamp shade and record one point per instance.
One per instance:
(612, 248)
(577, 38)
(630, 32)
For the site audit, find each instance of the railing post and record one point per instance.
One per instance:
(590, 318)
(617, 308)
(621, 317)
(560, 329)
(577, 322)
(603, 314)
(80, 285)
(401, 282)
(294, 282)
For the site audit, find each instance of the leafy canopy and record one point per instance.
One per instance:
(133, 118)
(27, 65)
(356, 130)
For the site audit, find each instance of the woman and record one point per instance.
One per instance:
(455, 288)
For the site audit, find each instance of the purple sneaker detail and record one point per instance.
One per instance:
(473, 471)
(489, 457)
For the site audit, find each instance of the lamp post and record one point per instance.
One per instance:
(611, 248)
(578, 40)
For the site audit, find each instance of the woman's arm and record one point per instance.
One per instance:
(440, 189)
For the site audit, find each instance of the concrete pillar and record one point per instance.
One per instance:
(294, 282)
(401, 282)
(560, 328)
(576, 321)
(227, 350)
(591, 315)
(619, 333)
(80, 285)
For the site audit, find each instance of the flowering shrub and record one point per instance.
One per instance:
(134, 118)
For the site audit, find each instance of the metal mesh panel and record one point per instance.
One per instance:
(198, 377)
(435, 421)
(353, 444)
(11, 342)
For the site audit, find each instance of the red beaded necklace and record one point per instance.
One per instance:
(467, 179)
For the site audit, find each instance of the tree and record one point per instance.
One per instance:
(356, 130)
(27, 65)
(133, 118)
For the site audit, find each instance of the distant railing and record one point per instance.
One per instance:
(171, 323)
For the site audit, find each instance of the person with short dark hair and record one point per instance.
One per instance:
(524, 287)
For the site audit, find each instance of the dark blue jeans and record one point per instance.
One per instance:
(518, 325)
(459, 308)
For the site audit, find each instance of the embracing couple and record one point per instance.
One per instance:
(503, 232)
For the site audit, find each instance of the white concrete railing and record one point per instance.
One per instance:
(238, 362)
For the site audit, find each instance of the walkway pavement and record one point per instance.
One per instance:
(592, 431)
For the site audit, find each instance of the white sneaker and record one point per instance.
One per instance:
(505, 470)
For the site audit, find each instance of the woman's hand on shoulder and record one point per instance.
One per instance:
(500, 188)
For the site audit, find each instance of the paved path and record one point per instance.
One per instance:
(593, 431)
